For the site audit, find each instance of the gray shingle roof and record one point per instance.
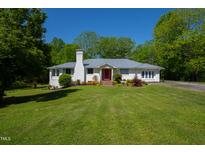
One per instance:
(65, 65)
(116, 63)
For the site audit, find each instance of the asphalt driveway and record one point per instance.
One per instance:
(187, 85)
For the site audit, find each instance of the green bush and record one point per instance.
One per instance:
(19, 85)
(144, 83)
(83, 83)
(114, 82)
(77, 82)
(118, 85)
(65, 80)
(129, 82)
(91, 83)
(117, 78)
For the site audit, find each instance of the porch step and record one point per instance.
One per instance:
(106, 83)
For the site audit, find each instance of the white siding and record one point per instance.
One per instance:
(138, 72)
(96, 72)
(129, 76)
(53, 80)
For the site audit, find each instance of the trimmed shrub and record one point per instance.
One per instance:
(65, 80)
(77, 82)
(137, 82)
(129, 82)
(114, 82)
(118, 85)
(144, 83)
(91, 83)
(123, 82)
(83, 83)
(117, 78)
(19, 85)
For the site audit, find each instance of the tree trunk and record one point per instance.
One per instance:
(35, 85)
(1, 95)
(196, 76)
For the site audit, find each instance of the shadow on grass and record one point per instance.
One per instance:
(38, 97)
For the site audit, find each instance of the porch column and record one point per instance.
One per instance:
(112, 74)
(50, 75)
(100, 75)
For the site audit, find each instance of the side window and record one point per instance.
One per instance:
(152, 74)
(71, 71)
(57, 72)
(124, 71)
(90, 70)
(149, 74)
(67, 71)
(146, 74)
(53, 72)
(142, 74)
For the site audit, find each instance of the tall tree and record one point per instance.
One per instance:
(57, 46)
(113, 47)
(67, 54)
(145, 53)
(86, 40)
(62, 52)
(180, 41)
(23, 52)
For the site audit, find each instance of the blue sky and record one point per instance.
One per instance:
(137, 24)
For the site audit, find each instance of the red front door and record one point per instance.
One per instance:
(106, 74)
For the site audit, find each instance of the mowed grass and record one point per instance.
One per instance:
(153, 114)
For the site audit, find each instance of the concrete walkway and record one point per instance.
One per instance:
(187, 85)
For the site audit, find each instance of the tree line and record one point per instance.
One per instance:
(94, 46)
(24, 54)
(178, 45)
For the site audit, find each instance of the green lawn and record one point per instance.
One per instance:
(154, 114)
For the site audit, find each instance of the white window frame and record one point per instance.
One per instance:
(90, 69)
(143, 74)
(153, 74)
(71, 71)
(55, 73)
(147, 74)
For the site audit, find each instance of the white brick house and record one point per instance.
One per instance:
(103, 70)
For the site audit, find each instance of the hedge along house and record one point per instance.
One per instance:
(103, 70)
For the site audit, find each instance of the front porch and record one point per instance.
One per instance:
(106, 75)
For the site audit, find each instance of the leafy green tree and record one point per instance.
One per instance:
(196, 68)
(179, 40)
(62, 52)
(145, 53)
(87, 41)
(67, 54)
(57, 46)
(23, 52)
(113, 47)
